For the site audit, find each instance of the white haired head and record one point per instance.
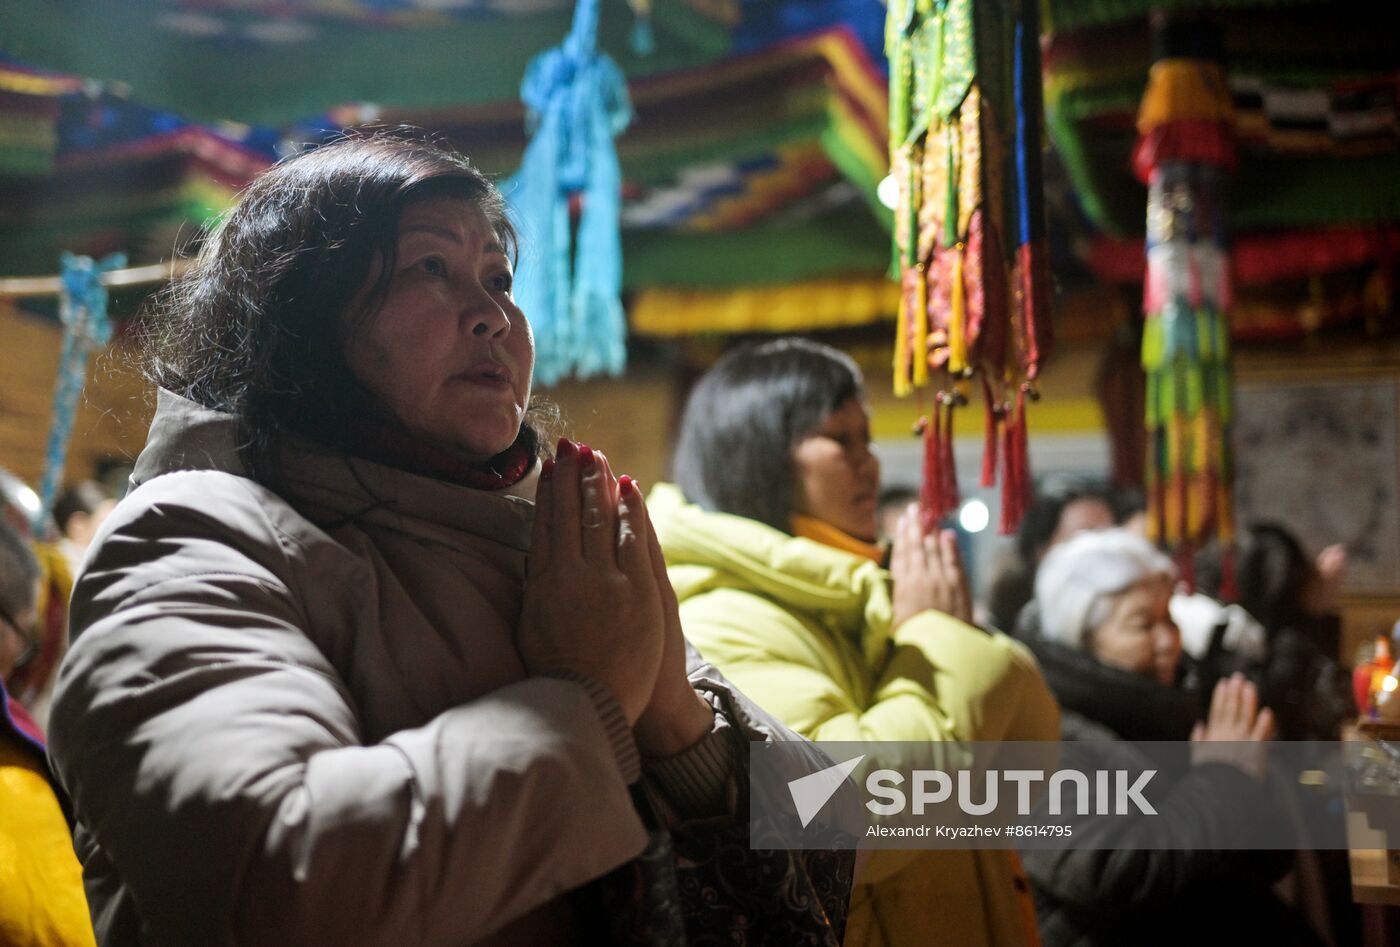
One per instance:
(1078, 580)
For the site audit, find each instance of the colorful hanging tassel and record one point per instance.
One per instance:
(969, 228)
(576, 103)
(1184, 150)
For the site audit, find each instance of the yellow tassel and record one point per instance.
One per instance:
(901, 347)
(1224, 514)
(1200, 462)
(957, 335)
(921, 329)
(1176, 478)
(1172, 501)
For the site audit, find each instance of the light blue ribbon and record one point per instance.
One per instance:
(83, 311)
(576, 103)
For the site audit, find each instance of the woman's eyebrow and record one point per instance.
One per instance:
(447, 233)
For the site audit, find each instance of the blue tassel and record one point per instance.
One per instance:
(576, 103)
(83, 311)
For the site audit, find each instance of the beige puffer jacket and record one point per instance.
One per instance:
(309, 724)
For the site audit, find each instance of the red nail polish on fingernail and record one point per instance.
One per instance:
(626, 484)
(566, 448)
(585, 456)
(547, 470)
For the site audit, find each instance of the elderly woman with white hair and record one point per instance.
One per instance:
(1102, 631)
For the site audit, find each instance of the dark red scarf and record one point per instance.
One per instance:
(395, 447)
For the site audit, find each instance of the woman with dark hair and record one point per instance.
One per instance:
(1293, 598)
(770, 542)
(312, 699)
(1059, 511)
(78, 512)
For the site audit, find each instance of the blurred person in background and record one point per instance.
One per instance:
(1282, 631)
(770, 537)
(41, 884)
(1101, 627)
(1130, 509)
(78, 512)
(1058, 512)
(31, 683)
(1293, 601)
(894, 503)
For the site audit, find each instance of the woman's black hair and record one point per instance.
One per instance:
(745, 416)
(1042, 518)
(254, 327)
(81, 497)
(1271, 574)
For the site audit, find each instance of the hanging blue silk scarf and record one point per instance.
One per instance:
(569, 285)
(83, 311)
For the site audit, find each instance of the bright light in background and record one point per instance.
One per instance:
(1388, 684)
(888, 191)
(974, 516)
(28, 500)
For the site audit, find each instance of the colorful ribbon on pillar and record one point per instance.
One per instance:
(1185, 149)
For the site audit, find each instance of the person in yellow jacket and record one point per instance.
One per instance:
(41, 883)
(768, 536)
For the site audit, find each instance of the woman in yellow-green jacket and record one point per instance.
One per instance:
(769, 538)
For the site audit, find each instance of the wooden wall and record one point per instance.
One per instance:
(112, 418)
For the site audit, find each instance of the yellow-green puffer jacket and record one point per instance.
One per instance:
(804, 630)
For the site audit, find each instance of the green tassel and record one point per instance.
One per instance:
(1153, 344)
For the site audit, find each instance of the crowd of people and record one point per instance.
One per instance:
(370, 655)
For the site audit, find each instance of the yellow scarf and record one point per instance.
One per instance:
(818, 531)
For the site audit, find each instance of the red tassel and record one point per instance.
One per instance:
(1035, 295)
(989, 445)
(1007, 526)
(1229, 591)
(1186, 566)
(1028, 301)
(1013, 499)
(951, 496)
(931, 492)
(1021, 465)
